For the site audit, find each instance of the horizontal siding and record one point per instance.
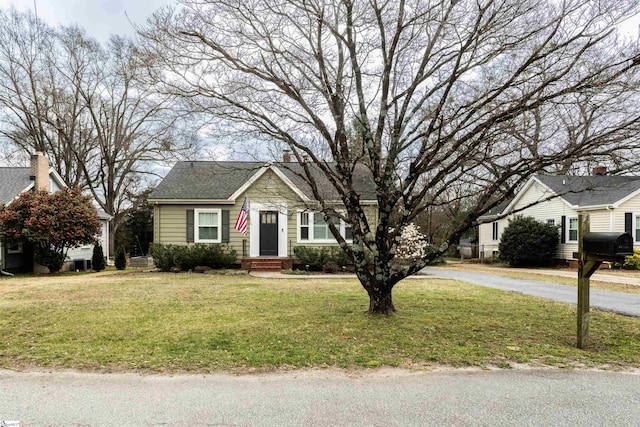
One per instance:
(554, 208)
(633, 206)
(600, 220)
(488, 246)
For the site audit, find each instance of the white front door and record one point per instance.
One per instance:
(254, 226)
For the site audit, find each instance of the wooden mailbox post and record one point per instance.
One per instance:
(593, 249)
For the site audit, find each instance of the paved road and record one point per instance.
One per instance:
(619, 302)
(323, 398)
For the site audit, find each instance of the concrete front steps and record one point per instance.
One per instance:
(266, 264)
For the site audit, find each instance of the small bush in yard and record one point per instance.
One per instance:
(317, 258)
(163, 256)
(121, 258)
(632, 262)
(331, 267)
(97, 259)
(527, 242)
(314, 258)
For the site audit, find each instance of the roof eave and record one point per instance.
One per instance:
(191, 201)
(248, 183)
(592, 207)
(290, 183)
(626, 198)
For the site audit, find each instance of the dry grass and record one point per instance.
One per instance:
(136, 321)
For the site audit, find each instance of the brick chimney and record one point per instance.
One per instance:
(599, 171)
(39, 171)
(286, 156)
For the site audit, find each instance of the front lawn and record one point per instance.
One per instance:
(202, 323)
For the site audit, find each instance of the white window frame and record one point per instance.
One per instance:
(19, 250)
(495, 235)
(196, 225)
(569, 229)
(310, 225)
(636, 227)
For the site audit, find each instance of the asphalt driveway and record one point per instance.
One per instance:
(619, 302)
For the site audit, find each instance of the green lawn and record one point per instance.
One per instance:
(157, 322)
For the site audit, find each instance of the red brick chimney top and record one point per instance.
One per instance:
(286, 156)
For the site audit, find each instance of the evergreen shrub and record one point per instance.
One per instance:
(189, 257)
(121, 258)
(97, 259)
(527, 242)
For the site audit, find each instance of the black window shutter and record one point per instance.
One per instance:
(225, 226)
(190, 225)
(563, 229)
(628, 223)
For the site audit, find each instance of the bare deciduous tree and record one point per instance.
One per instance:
(446, 95)
(88, 107)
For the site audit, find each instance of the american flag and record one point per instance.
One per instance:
(241, 222)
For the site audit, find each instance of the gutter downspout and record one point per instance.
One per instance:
(612, 218)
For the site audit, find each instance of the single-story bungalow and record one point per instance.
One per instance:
(199, 202)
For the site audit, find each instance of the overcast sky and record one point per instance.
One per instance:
(100, 18)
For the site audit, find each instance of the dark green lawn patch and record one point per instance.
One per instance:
(205, 323)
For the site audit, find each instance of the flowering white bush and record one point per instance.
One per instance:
(413, 244)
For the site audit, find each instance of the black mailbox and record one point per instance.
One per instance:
(609, 244)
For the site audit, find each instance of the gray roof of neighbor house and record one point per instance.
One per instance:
(499, 208)
(212, 180)
(12, 182)
(591, 190)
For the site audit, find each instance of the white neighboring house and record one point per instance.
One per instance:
(16, 180)
(612, 203)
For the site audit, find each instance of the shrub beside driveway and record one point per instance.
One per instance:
(202, 323)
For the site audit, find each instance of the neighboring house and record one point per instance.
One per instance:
(16, 180)
(199, 202)
(79, 258)
(612, 203)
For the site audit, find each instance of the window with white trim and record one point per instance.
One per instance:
(207, 225)
(572, 231)
(494, 231)
(637, 228)
(304, 226)
(320, 228)
(312, 228)
(15, 248)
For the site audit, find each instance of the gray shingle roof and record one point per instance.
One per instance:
(211, 180)
(499, 208)
(204, 180)
(591, 190)
(12, 182)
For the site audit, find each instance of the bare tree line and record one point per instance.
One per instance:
(88, 108)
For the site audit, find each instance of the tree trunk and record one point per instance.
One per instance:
(380, 301)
